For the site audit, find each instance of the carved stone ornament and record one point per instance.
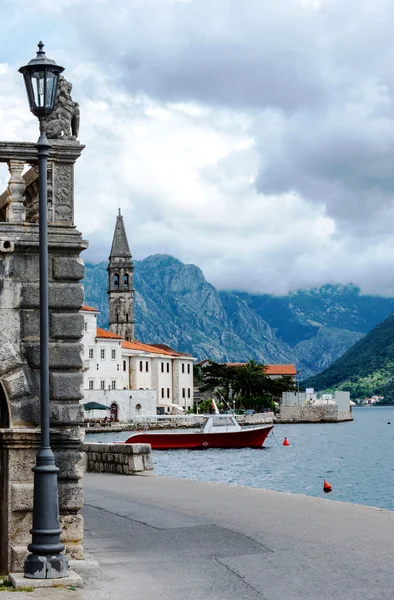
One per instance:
(63, 122)
(64, 193)
(16, 212)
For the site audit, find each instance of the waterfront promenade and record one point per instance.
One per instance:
(160, 538)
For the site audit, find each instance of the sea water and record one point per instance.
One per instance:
(355, 457)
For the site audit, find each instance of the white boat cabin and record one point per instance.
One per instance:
(220, 424)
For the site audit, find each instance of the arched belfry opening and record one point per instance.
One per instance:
(4, 409)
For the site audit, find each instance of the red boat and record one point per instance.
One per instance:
(217, 431)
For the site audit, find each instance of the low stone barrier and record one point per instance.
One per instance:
(256, 419)
(172, 422)
(312, 414)
(123, 459)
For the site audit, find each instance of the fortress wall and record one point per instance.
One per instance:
(312, 414)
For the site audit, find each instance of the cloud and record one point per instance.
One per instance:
(254, 139)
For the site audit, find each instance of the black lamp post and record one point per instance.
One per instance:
(41, 77)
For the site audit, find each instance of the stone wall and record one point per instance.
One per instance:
(20, 350)
(18, 448)
(312, 414)
(123, 459)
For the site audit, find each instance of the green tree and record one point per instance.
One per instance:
(197, 375)
(205, 406)
(277, 386)
(250, 380)
(248, 385)
(218, 376)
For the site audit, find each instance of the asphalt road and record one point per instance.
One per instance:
(160, 538)
(163, 538)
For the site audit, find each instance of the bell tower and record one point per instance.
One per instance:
(120, 284)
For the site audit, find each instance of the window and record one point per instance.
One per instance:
(183, 393)
(102, 353)
(147, 366)
(162, 367)
(91, 383)
(86, 326)
(188, 392)
(91, 353)
(117, 367)
(124, 365)
(168, 367)
(140, 365)
(117, 318)
(127, 317)
(162, 392)
(168, 392)
(113, 354)
(102, 384)
(116, 280)
(188, 369)
(183, 367)
(97, 367)
(113, 384)
(126, 280)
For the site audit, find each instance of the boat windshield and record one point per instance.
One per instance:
(222, 421)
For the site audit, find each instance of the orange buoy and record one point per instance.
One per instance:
(286, 442)
(327, 488)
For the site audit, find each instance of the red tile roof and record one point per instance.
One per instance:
(272, 369)
(169, 349)
(104, 333)
(88, 308)
(281, 370)
(147, 348)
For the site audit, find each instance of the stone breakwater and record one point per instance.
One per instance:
(175, 423)
(288, 414)
(123, 459)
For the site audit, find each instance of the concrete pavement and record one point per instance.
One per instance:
(160, 538)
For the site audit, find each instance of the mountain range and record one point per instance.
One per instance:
(367, 368)
(175, 305)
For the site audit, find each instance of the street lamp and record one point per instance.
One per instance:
(41, 77)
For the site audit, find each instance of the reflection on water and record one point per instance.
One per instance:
(355, 457)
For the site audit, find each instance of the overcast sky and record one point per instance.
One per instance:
(252, 138)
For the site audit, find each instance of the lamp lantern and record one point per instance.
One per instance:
(41, 76)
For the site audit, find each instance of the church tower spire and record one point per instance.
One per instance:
(120, 284)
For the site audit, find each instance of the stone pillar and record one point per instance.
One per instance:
(20, 358)
(16, 212)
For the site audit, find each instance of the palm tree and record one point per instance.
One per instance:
(250, 380)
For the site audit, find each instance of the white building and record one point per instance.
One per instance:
(131, 378)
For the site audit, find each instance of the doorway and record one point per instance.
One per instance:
(114, 412)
